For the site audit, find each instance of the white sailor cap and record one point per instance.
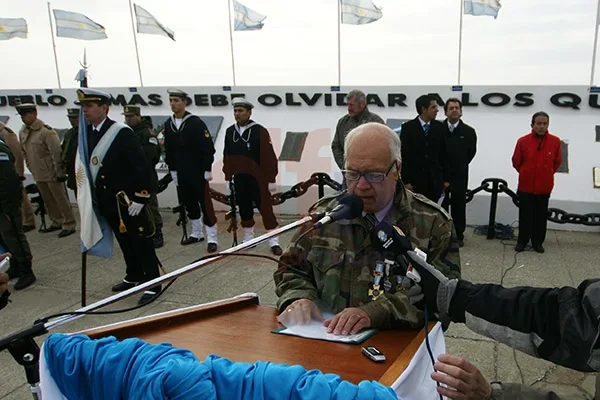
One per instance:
(177, 93)
(95, 95)
(241, 102)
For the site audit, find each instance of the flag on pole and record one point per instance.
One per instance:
(360, 12)
(482, 7)
(13, 28)
(147, 23)
(96, 235)
(247, 19)
(77, 26)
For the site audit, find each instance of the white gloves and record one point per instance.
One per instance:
(208, 176)
(174, 176)
(272, 187)
(227, 188)
(135, 208)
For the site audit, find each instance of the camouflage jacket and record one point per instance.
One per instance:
(334, 265)
(344, 126)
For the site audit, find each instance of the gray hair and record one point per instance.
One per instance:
(357, 95)
(393, 139)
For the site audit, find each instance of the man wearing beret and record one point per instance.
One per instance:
(142, 129)
(41, 149)
(189, 153)
(122, 184)
(249, 158)
(69, 148)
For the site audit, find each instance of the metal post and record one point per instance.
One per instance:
(137, 53)
(321, 186)
(595, 45)
(491, 234)
(460, 40)
(53, 45)
(231, 42)
(339, 20)
(83, 278)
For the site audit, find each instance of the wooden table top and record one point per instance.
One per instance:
(240, 330)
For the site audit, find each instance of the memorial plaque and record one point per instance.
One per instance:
(293, 146)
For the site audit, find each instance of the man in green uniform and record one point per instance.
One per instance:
(142, 128)
(335, 267)
(11, 222)
(69, 149)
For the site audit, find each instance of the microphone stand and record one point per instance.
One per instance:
(26, 352)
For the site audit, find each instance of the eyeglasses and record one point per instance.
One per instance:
(372, 177)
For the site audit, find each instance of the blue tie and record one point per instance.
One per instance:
(426, 128)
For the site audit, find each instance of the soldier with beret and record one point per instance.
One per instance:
(249, 158)
(11, 139)
(118, 165)
(189, 153)
(69, 148)
(42, 152)
(142, 129)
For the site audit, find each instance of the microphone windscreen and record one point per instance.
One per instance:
(355, 205)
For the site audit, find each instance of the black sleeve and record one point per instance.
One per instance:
(226, 159)
(140, 168)
(443, 154)
(10, 188)
(405, 133)
(472, 145)
(205, 144)
(559, 325)
(169, 147)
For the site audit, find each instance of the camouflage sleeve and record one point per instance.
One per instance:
(390, 310)
(443, 252)
(296, 282)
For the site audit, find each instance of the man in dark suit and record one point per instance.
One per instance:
(123, 186)
(461, 146)
(424, 151)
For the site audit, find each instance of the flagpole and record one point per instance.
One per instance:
(595, 45)
(54, 46)
(137, 53)
(339, 18)
(462, 4)
(231, 41)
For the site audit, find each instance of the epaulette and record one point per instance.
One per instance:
(326, 199)
(427, 201)
(48, 127)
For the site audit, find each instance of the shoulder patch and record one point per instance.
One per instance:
(51, 133)
(430, 203)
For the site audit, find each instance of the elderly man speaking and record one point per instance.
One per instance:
(333, 268)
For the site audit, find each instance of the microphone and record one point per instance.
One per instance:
(350, 207)
(394, 246)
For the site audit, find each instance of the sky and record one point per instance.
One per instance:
(532, 42)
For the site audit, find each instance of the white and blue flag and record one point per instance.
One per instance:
(77, 26)
(147, 23)
(359, 12)
(247, 19)
(13, 28)
(482, 7)
(96, 235)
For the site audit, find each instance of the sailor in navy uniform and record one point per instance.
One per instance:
(123, 167)
(189, 153)
(249, 158)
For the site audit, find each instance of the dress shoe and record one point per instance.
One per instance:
(538, 248)
(66, 232)
(149, 295)
(50, 229)
(25, 280)
(158, 241)
(461, 242)
(520, 247)
(276, 250)
(192, 240)
(124, 285)
(27, 228)
(211, 248)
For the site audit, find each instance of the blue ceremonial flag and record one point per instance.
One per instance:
(247, 19)
(77, 26)
(13, 28)
(96, 235)
(359, 12)
(482, 7)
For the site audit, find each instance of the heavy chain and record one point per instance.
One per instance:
(295, 191)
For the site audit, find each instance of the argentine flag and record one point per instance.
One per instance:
(96, 235)
(247, 19)
(482, 7)
(77, 26)
(13, 28)
(359, 12)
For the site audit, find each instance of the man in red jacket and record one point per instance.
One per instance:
(537, 157)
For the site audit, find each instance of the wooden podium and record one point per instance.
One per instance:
(240, 329)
